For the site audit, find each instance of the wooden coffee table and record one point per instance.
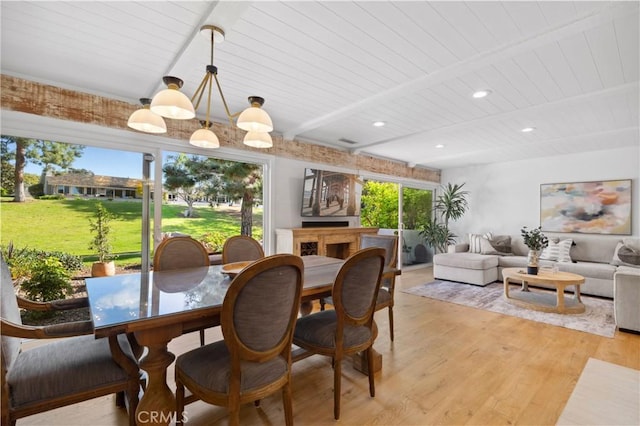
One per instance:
(544, 301)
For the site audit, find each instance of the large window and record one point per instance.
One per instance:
(206, 197)
(211, 199)
(63, 185)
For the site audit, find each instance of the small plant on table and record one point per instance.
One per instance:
(536, 241)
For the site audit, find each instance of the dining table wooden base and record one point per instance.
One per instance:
(360, 362)
(158, 405)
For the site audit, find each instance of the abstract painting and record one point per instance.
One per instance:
(600, 207)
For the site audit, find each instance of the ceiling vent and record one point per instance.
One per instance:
(349, 141)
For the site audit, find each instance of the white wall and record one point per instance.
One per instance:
(504, 197)
(288, 178)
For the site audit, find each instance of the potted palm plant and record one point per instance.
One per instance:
(101, 227)
(536, 241)
(450, 205)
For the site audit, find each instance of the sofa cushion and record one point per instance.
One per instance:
(628, 270)
(590, 269)
(513, 261)
(592, 248)
(466, 260)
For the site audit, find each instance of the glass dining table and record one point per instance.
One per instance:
(157, 307)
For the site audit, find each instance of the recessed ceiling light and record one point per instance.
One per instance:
(481, 93)
(379, 123)
(528, 129)
(439, 146)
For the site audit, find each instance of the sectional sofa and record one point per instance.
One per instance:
(609, 264)
(591, 256)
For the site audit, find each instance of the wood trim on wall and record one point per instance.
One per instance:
(54, 102)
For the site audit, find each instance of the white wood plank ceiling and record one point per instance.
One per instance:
(329, 69)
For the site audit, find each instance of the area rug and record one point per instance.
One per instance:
(606, 394)
(597, 318)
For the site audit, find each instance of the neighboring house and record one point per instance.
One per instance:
(70, 184)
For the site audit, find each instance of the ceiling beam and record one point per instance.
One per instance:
(25, 103)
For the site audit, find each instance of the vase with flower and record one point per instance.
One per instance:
(536, 241)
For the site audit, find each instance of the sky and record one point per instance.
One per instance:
(106, 162)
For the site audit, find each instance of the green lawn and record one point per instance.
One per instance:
(63, 225)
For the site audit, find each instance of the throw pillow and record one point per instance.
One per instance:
(564, 251)
(558, 251)
(632, 242)
(486, 247)
(616, 259)
(627, 255)
(551, 251)
(501, 243)
(474, 242)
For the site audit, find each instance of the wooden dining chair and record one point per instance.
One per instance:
(179, 253)
(74, 368)
(349, 327)
(254, 359)
(385, 298)
(240, 248)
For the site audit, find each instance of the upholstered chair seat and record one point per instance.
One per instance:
(214, 376)
(320, 328)
(54, 370)
(72, 369)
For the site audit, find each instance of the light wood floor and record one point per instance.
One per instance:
(448, 365)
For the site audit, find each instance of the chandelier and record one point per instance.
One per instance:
(172, 103)
(145, 120)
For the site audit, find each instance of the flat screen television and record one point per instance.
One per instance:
(329, 194)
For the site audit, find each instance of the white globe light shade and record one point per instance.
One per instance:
(255, 119)
(258, 140)
(172, 103)
(204, 138)
(146, 121)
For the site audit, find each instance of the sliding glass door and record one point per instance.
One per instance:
(399, 209)
(416, 205)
